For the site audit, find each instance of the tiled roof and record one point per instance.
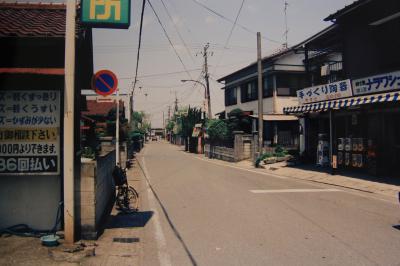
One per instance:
(32, 20)
(101, 108)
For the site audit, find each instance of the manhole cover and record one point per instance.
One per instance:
(126, 239)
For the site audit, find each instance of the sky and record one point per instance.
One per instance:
(160, 70)
(189, 27)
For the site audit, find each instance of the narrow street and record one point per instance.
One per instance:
(206, 214)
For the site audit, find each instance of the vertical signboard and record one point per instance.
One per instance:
(29, 132)
(106, 13)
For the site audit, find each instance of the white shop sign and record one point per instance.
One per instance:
(326, 92)
(376, 84)
(29, 132)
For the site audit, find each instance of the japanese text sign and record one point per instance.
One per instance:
(378, 83)
(331, 91)
(106, 13)
(29, 132)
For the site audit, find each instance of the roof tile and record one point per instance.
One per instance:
(32, 20)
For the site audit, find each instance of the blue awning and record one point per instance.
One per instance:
(343, 103)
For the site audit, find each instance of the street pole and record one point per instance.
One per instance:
(117, 131)
(206, 76)
(68, 130)
(260, 95)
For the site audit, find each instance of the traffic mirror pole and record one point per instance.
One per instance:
(117, 131)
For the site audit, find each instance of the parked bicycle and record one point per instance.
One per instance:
(127, 197)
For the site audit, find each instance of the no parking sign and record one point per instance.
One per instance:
(104, 82)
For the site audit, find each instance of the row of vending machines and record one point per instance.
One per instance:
(351, 152)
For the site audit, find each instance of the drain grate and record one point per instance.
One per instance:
(126, 239)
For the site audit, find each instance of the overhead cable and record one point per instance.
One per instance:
(169, 40)
(140, 42)
(177, 30)
(231, 21)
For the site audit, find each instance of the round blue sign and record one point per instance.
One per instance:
(104, 82)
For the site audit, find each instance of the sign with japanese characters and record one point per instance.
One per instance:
(106, 13)
(29, 132)
(326, 92)
(378, 83)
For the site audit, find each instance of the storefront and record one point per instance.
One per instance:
(359, 132)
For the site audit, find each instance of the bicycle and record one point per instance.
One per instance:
(127, 197)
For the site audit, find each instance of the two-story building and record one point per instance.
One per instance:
(355, 107)
(283, 74)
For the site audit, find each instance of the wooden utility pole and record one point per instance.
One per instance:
(260, 95)
(69, 130)
(206, 77)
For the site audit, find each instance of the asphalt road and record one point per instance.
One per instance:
(208, 214)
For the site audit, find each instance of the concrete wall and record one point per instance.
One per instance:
(241, 151)
(31, 200)
(95, 191)
(219, 152)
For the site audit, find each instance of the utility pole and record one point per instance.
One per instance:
(206, 76)
(260, 95)
(68, 132)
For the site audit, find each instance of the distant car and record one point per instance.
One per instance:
(154, 138)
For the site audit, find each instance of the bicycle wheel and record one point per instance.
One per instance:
(133, 198)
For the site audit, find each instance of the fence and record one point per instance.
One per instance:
(241, 150)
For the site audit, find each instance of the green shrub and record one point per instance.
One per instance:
(263, 157)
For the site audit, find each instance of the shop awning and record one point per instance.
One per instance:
(276, 117)
(343, 103)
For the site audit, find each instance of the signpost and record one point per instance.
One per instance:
(106, 13)
(104, 82)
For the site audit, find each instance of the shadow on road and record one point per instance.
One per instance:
(396, 227)
(137, 219)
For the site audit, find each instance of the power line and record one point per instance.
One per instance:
(179, 34)
(170, 42)
(163, 74)
(231, 21)
(229, 36)
(140, 43)
(233, 26)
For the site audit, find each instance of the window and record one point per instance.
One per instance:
(288, 83)
(230, 96)
(268, 86)
(249, 91)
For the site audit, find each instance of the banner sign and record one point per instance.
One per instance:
(376, 84)
(106, 13)
(326, 92)
(29, 132)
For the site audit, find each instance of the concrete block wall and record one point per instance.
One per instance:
(95, 192)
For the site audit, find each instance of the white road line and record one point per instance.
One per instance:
(294, 190)
(243, 169)
(163, 256)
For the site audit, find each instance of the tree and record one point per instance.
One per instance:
(217, 130)
(188, 122)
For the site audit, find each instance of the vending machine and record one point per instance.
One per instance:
(322, 150)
